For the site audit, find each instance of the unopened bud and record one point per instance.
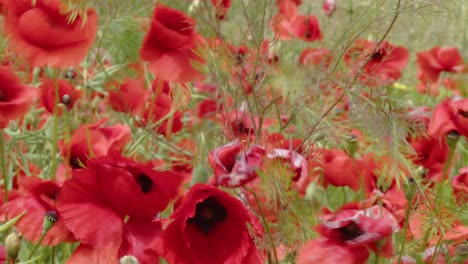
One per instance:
(462, 249)
(352, 141)
(452, 138)
(129, 260)
(66, 99)
(50, 219)
(12, 245)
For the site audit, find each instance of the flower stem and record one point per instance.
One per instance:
(3, 165)
(265, 224)
(406, 223)
(36, 245)
(53, 166)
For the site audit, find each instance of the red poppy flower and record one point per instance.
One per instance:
(129, 97)
(158, 112)
(42, 33)
(209, 227)
(169, 45)
(97, 200)
(15, 98)
(360, 228)
(37, 197)
(307, 28)
(208, 107)
(234, 167)
(454, 230)
(384, 64)
(222, 7)
(288, 23)
(342, 170)
(315, 57)
(295, 161)
(436, 60)
(68, 94)
(95, 140)
(460, 186)
(326, 251)
(449, 116)
(238, 124)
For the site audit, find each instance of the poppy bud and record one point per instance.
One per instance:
(12, 245)
(129, 260)
(351, 145)
(66, 99)
(452, 139)
(50, 219)
(461, 253)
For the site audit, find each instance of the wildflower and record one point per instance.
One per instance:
(210, 226)
(234, 167)
(436, 60)
(327, 251)
(15, 98)
(110, 207)
(40, 32)
(129, 97)
(95, 140)
(159, 110)
(67, 94)
(460, 186)
(383, 65)
(222, 7)
(37, 196)
(170, 45)
(449, 116)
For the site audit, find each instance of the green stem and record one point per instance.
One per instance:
(265, 224)
(36, 245)
(406, 224)
(355, 78)
(53, 256)
(53, 167)
(3, 165)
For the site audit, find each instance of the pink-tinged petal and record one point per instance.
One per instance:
(325, 251)
(87, 214)
(222, 159)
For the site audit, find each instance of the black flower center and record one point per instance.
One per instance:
(76, 163)
(208, 214)
(460, 112)
(350, 232)
(145, 183)
(378, 55)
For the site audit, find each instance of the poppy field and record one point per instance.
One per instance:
(234, 132)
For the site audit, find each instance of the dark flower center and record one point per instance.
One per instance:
(350, 232)
(460, 112)
(2, 96)
(208, 214)
(378, 55)
(145, 183)
(76, 163)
